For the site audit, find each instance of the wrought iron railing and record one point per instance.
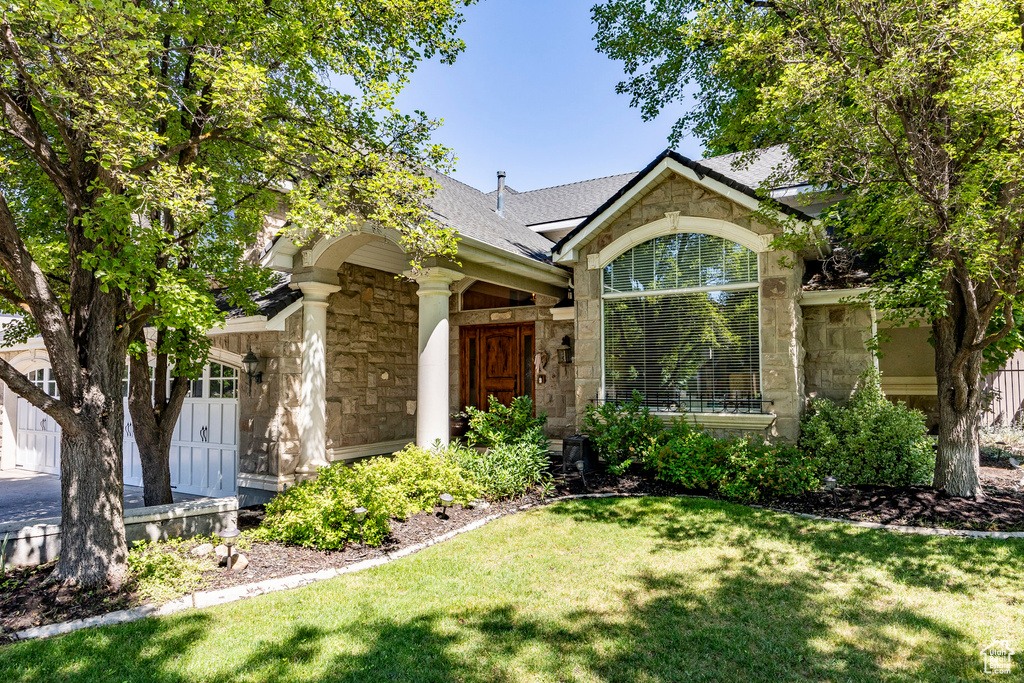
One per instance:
(694, 402)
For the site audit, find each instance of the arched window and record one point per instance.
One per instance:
(681, 325)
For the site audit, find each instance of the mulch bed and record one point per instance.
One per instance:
(27, 599)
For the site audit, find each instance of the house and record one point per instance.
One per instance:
(661, 282)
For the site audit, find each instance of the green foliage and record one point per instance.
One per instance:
(505, 470)
(501, 424)
(744, 470)
(869, 440)
(164, 570)
(318, 513)
(622, 433)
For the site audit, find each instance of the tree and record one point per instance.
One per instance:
(142, 144)
(909, 110)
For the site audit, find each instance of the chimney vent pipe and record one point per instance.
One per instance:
(501, 194)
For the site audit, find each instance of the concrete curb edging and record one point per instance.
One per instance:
(227, 595)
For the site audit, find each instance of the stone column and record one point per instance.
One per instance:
(432, 391)
(313, 409)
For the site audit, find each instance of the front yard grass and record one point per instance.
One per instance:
(649, 589)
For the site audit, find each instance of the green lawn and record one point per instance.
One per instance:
(623, 590)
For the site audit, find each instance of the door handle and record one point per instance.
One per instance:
(204, 434)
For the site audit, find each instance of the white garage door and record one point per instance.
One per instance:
(204, 447)
(38, 433)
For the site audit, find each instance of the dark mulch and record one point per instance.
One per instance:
(1001, 510)
(26, 599)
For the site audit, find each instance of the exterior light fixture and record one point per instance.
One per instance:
(360, 514)
(581, 465)
(446, 501)
(831, 483)
(565, 351)
(251, 363)
(229, 537)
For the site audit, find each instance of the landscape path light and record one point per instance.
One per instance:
(581, 465)
(229, 537)
(360, 514)
(830, 485)
(446, 501)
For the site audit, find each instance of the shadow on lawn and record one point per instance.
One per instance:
(752, 615)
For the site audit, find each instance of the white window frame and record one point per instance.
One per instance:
(616, 249)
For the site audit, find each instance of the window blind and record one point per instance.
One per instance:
(681, 325)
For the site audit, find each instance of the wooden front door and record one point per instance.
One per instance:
(495, 360)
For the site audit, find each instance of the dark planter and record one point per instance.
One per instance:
(458, 426)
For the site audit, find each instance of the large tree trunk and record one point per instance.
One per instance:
(961, 399)
(154, 416)
(93, 547)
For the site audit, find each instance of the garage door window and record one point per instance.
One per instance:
(43, 378)
(223, 381)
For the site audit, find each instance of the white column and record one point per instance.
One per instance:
(432, 377)
(313, 409)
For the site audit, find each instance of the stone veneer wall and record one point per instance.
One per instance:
(782, 366)
(268, 442)
(372, 339)
(836, 339)
(554, 397)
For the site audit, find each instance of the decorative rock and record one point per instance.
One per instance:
(221, 551)
(478, 505)
(202, 550)
(239, 562)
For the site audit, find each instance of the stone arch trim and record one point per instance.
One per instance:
(673, 224)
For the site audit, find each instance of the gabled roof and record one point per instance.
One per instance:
(472, 214)
(562, 202)
(718, 169)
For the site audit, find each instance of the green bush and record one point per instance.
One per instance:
(869, 440)
(623, 433)
(164, 570)
(505, 470)
(500, 424)
(743, 470)
(318, 513)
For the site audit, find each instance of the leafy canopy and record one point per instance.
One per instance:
(147, 141)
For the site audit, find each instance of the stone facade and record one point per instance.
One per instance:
(554, 396)
(371, 358)
(836, 339)
(782, 358)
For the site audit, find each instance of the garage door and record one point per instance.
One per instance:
(204, 447)
(38, 433)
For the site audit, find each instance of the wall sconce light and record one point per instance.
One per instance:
(565, 351)
(252, 364)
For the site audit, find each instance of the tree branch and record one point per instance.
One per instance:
(60, 411)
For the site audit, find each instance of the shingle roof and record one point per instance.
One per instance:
(472, 213)
(574, 200)
(269, 303)
(715, 168)
(752, 168)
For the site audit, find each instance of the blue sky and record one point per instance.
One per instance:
(532, 97)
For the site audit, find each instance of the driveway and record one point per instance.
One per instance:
(27, 496)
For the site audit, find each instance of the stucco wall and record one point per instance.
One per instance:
(555, 396)
(836, 340)
(781, 321)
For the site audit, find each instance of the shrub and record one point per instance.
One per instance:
(318, 513)
(501, 424)
(505, 470)
(623, 433)
(163, 571)
(869, 440)
(738, 469)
